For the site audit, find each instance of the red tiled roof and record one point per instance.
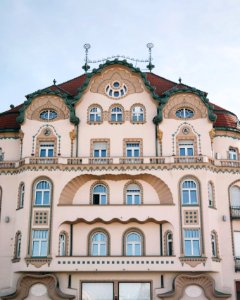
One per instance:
(161, 85)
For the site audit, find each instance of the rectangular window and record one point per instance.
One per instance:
(236, 236)
(132, 149)
(46, 150)
(39, 243)
(233, 154)
(100, 149)
(134, 291)
(97, 291)
(186, 148)
(192, 242)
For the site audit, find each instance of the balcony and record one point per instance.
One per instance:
(103, 161)
(235, 212)
(237, 264)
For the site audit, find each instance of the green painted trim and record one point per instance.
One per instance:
(9, 130)
(66, 98)
(111, 63)
(9, 138)
(175, 90)
(227, 129)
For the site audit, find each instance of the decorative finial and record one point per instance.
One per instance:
(180, 80)
(54, 81)
(12, 106)
(150, 66)
(86, 67)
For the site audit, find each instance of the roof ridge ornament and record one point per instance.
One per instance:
(86, 66)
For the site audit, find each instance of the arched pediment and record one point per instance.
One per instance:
(71, 188)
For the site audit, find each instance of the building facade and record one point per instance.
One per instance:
(119, 185)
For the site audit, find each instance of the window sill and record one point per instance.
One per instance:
(38, 261)
(16, 259)
(216, 259)
(19, 208)
(193, 261)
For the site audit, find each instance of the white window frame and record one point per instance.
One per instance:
(42, 191)
(40, 241)
(47, 147)
(233, 154)
(189, 190)
(62, 244)
(99, 243)
(186, 146)
(137, 114)
(214, 244)
(132, 146)
(101, 194)
(18, 245)
(117, 114)
(210, 195)
(192, 239)
(21, 195)
(169, 241)
(134, 244)
(96, 113)
(134, 193)
(100, 148)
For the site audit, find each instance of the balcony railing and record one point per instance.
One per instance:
(237, 264)
(188, 159)
(145, 160)
(235, 212)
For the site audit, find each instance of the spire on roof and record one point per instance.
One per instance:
(54, 81)
(180, 80)
(86, 67)
(150, 66)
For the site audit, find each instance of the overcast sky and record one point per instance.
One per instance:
(198, 41)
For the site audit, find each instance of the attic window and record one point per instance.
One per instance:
(184, 113)
(116, 90)
(48, 114)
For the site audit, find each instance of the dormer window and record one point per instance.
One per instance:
(184, 113)
(48, 114)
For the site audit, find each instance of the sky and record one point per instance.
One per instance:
(198, 41)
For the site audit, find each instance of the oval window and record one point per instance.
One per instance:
(184, 113)
(48, 114)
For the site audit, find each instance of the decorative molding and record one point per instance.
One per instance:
(193, 261)
(26, 281)
(88, 114)
(93, 141)
(125, 190)
(131, 114)
(206, 282)
(38, 261)
(46, 102)
(110, 114)
(120, 74)
(184, 100)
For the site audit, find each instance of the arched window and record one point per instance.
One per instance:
(99, 244)
(95, 114)
(210, 195)
(1, 155)
(214, 244)
(134, 243)
(99, 196)
(133, 194)
(62, 244)
(21, 195)
(235, 197)
(42, 193)
(169, 243)
(17, 249)
(137, 114)
(116, 114)
(189, 192)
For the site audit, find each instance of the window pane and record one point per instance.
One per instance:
(129, 199)
(103, 199)
(134, 291)
(196, 248)
(97, 291)
(136, 153)
(190, 152)
(182, 152)
(46, 198)
(50, 152)
(137, 249)
(129, 249)
(35, 248)
(188, 251)
(137, 199)
(38, 199)
(104, 153)
(95, 250)
(103, 251)
(96, 153)
(129, 153)
(185, 199)
(193, 197)
(43, 248)
(42, 152)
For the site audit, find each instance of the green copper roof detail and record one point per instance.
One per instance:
(66, 98)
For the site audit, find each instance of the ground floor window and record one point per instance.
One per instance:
(97, 291)
(134, 290)
(124, 290)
